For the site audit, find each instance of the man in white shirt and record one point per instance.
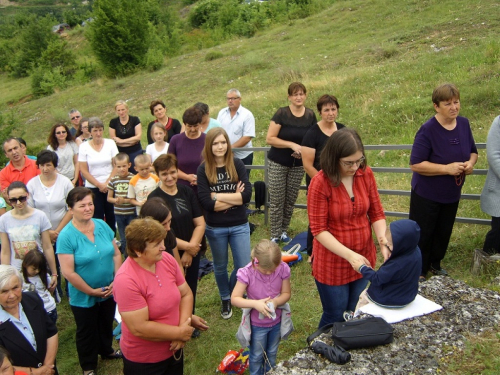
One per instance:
(239, 124)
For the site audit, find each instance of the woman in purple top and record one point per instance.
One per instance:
(443, 153)
(187, 147)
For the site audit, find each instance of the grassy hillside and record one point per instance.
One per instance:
(380, 58)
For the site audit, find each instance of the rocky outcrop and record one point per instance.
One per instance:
(419, 343)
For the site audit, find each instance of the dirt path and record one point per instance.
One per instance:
(4, 3)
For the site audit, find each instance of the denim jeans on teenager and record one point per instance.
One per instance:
(336, 299)
(238, 237)
(121, 222)
(264, 348)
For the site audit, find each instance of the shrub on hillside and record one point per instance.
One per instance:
(120, 35)
(35, 36)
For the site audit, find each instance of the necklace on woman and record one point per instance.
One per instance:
(84, 231)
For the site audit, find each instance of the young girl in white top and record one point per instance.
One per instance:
(36, 279)
(266, 280)
(159, 147)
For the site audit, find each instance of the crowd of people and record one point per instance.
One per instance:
(125, 225)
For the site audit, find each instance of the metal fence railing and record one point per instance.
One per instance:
(468, 220)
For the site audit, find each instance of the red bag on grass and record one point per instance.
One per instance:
(234, 362)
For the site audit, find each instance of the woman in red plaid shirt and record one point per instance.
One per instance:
(343, 207)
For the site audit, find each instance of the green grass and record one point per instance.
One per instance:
(382, 60)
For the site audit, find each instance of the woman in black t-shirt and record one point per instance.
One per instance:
(314, 141)
(286, 131)
(188, 223)
(223, 191)
(126, 131)
(158, 210)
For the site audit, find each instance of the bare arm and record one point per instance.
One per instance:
(50, 355)
(308, 155)
(65, 220)
(273, 140)
(67, 262)
(48, 251)
(193, 246)
(77, 169)
(140, 326)
(84, 169)
(332, 244)
(191, 178)
(426, 168)
(5, 254)
(380, 227)
(242, 141)
(469, 164)
(128, 141)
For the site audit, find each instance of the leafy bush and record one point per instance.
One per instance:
(46, 80)
(120, 35)
(35, 37)
(154, 59)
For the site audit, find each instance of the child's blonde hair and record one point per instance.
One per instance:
(142, 159)
(267, 254)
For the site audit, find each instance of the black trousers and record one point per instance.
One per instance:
(103, 209)
(492, 241)
(436, 225)
(170, 366)
(192, 275)
(94, 332)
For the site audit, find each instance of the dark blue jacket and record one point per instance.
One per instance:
(395, 284)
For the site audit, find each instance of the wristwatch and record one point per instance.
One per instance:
(215, 197)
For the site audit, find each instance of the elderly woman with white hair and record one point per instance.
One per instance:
(26, 330)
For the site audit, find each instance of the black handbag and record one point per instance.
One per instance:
(362, 333)
(333, 353)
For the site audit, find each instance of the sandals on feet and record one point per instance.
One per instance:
(117, 354)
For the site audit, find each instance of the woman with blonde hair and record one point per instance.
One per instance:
(223, 191)
(126, 131)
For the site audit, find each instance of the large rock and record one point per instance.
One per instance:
(419, 343)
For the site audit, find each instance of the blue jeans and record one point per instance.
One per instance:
(264, 348)
(121, 222)
(53, 315)
(336, 299)
(238, 237)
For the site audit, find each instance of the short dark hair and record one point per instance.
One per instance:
(156, 208)
(165, 162)
(342, 143)
(445, 92)
(47, 156)
(295, 87)
(17, 185)
(12, 139)
(142, 231)
(327, 99)
(77, 194)
(192, 116)
(154, 103)
(203, 108)
(22, 141)
(122, 156)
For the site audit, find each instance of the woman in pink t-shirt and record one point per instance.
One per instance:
(155, 328)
